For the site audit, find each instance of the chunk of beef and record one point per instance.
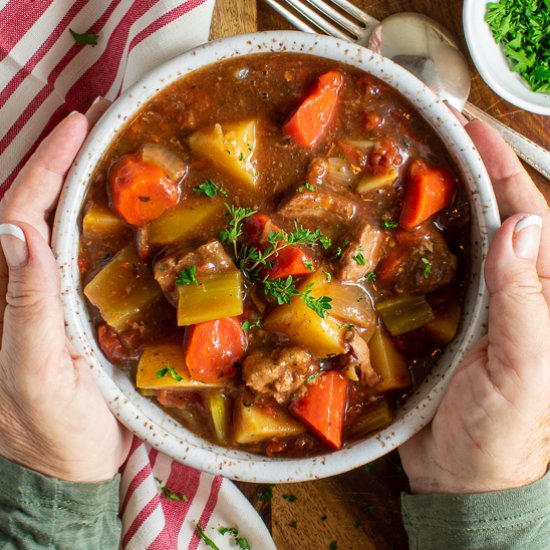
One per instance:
(279, 372)
(208, 259)
(358, 359)
(419, 263)
(363, 253)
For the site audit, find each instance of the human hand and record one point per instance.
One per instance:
(53, 418)
(492, 429)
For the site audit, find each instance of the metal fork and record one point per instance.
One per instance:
(357, 26)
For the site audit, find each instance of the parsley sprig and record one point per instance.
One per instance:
(169, 369)
(210, 189)
(187, 276)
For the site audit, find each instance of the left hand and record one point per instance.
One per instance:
(53, 419)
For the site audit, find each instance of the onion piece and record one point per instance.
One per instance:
(340, 172)
(162, 156)
(351, 304)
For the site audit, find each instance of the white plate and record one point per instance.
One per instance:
(493, 65)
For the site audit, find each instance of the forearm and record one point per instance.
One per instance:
(508, 520)
(37, 511)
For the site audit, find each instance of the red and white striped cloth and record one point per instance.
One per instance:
(44, 75)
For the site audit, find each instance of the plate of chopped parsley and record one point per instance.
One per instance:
(509, 41)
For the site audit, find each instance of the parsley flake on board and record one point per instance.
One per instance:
(293, 524)
(290, 497)
(267, 493)
(161, 373)
(333, 545)
(210, 189)
(522, 28)
(187, 276)
(206, 539)
(84, 39)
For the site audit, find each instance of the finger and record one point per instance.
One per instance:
(33, 317)
(96, 110)
(514, 190)
(519, 321)
(34, 193)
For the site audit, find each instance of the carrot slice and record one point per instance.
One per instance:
(323, 407)
(290, 260)
(309, 124)
(213, 348)
(429, 190)
(141, 191)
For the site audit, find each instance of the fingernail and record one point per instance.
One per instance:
(96, 100)
(526, 239)
(14, 245)
(72, 113)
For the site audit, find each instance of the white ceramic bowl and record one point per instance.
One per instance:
(147, 420)
(492, 64)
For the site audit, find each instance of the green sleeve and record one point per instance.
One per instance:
(516, 519)
(40, 512)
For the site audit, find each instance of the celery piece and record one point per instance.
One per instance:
(373, 183)
(403, 314)
(218, 405)
(214, 297)
(153, 374)
(253, 424)
(376, 417)
(230, 147)
(388, 363)
(188, 221)
(123, 290)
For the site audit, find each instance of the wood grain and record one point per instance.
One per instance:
(233, 17)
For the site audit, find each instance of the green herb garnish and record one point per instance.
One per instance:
(333, 545)
(241, 542)
(206, 539)
(267, 493)
(328, 276)
(84, 39)
(360, 259)
(210, 189)
(249, 325)
(290, 497)
(310, 187)
(309, 265)
(389, 224)
(161, 373)
(168, 493)
(293, 524)
(427, 267)
(522, 28)
(371, 277)
(187, 276)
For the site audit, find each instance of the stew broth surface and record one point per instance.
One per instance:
(394, 292)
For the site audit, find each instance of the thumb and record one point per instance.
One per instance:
(519, 322)
(33, 318)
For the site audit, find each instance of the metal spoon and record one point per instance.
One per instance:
(422, 46)
(426, 49)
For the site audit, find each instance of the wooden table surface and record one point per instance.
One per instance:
(360, 510)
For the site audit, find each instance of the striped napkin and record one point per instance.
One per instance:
(44, 75)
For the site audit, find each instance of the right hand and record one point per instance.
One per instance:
(492, 429)
(53, 419)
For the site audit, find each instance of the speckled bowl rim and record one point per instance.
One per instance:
(147, 420)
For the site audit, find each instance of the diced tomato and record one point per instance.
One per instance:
(323, 407)
(309, 124)
(429, 190)
(141, 191)
(213, 348)
(291, 260)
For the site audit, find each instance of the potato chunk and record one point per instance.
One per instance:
(320, 336)
(230, 147)
(254, 424)
(157, 357)
(101, 221)
(123, 290)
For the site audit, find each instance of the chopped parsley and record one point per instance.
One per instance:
(333, 545)
(522, 28)
(84, 39)
(371, 277)
(241, 157)
(310, 187)
(210, 189)
(360, 259)
(324, 518)
(241, 542)
(206, 539)
(328, 276)
(290, 497)
(187, 276)
(249, 325)
(267, 493)
(427, 267)
(337, 254)
(293, 524)
(168, 369)
(389, 224)
(309, 265)
(347, 325)
(168, 493)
